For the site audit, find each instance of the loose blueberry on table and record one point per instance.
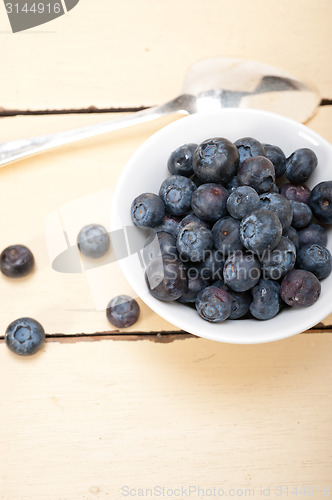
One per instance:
(238, 246)
(93, 241)
(24, 336)
(16, 261)
(122, 311)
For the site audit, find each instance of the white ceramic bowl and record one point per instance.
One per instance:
(146, 170)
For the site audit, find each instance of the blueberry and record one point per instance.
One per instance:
(257, 172)
(241, 201)
(216, 160)
(280, 206)
(300, 165)
(241, 271)
(260, 230)
(180, 161)
(212, 266)
(195, 284)
(193, 241)
(232, 184)
(313, 233)
(316, 259)
(209, 202)
(25, 336)
(169, 224)
(16, 261)
(158, 245)
(191, 218)
(93, 241)
(248, 147)
(274, 188)
(176, 192)
(213, 304)
(321, 202)
(276, 263)
(166, 278)
(147, 210)
(278, 158)
(196, 180)
(240, 301)
(226, 235)
(266, 303)
(295, 193)
(302, 214)
(122, 311)
(293, 236)
(300, 288)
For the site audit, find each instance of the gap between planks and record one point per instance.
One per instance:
(90, 110)
(158, 337)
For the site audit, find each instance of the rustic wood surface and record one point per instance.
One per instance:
(80, 421)
(99, 409)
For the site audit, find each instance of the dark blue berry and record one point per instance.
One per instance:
(257, 172)
(277, 262)
(300, 165)
(300, 288)
(191, 218)
(180, 161)
(166, 278)
(147, 210)
(214, 304)
(226, 235)
(196, 180)
(241, 201)
(193, 241)
(316, 259)
(293, 236)
(216, 160)
(265, 299)
(321, 202)
(25, 336)
(232, 184)
(240, 301)
(313, 233)
(158, 245)
(248, 147)
(212, 266)
(280, 206)
(260, 230)
(93, 241)
(209, 202)
(302, 214)
(16, 261)
(176, 192)
(295, 193)
(122, 311)
(241, 271)
(195, 284)
(169, 224)
(277, 157)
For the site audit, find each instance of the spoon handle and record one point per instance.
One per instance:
(15, 150)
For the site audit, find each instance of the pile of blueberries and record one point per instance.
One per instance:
(235, 230)
(25, 336)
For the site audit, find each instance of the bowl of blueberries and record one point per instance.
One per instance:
(230, 215)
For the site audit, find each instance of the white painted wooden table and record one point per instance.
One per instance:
(98, 411)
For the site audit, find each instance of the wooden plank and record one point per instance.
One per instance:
(36, 187)
(81, 421)
(111, 54)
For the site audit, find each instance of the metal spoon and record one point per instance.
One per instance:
(209, 85)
